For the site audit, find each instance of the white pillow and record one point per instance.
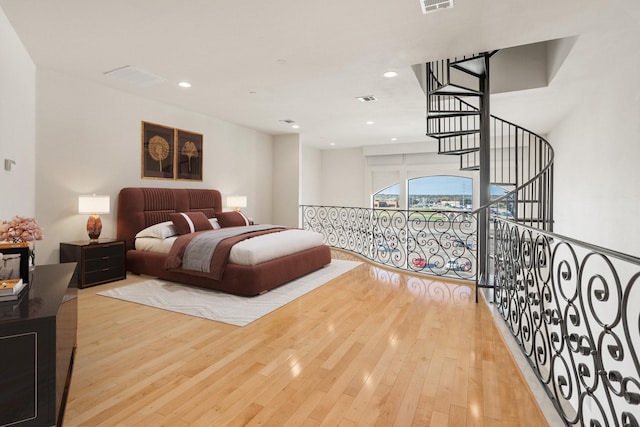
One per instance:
(161, 230)
(214, 223)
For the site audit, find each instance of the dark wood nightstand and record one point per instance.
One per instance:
(98, 262)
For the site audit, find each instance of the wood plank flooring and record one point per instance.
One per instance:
(371, 348)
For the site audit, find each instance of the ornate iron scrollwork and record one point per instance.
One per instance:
(440, 243)
(569, 306)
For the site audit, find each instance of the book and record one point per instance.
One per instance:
(16, 296)
(6, 245)
(11, 286)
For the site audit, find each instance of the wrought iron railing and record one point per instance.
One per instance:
(574, 310)
(438, 242)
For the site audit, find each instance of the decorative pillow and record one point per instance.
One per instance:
(214, 223)
(161, 230)
(232, 219)
(190, 222)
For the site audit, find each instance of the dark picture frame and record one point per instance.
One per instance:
(158, 151)
(188, 155)
(23, 254)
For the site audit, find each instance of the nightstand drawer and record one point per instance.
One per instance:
(103, 251)
(103, 276)
(105, 263)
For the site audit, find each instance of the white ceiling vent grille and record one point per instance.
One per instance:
(134, 76)
(429, 6)
(368, 98)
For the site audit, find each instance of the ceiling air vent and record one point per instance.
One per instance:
(429, 6)
(134, 76)
(288, 121)
(368, 98)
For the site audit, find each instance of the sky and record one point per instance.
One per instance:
(443, 184)
(435, 185)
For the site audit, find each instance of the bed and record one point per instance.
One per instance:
(143, 209)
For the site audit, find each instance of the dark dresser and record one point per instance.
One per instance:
(37, 346)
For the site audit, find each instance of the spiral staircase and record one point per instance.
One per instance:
(504, 154)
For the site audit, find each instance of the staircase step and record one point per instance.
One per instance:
(455, 90)
(458, 151)
(440, 135)
(474, 65)
(448, 114)
(470, 168)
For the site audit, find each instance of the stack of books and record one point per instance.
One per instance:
(11, 289)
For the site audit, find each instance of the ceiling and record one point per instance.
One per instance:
(256, 63)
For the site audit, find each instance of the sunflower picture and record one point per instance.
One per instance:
(158, 151)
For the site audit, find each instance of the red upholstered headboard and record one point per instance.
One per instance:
(139, 208)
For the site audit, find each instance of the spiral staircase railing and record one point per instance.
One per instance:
(521, 161)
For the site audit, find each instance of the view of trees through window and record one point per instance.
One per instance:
(429, 192)
(440, 192)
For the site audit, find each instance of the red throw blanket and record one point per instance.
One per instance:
(220, 256)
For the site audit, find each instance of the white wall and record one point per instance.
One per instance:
(597, 196)
(343, 176)
(89, 141)
(310, 175)
(286, 180)
(17, 125)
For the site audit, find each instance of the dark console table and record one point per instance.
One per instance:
(37, 346)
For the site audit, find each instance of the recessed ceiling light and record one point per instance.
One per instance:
(332, 144)
(394, 139)
(370, 122)
(184, 84)
(295, 126)
(390, 74)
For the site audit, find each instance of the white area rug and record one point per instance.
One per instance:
(222, 307)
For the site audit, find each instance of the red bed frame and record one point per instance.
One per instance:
(140, 207)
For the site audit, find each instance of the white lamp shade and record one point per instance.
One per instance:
(93, 204)
(237, 201)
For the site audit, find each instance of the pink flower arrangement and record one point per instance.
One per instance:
(20, 229)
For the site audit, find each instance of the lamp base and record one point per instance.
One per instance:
(94, 226)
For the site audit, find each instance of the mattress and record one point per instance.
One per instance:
(251, 251)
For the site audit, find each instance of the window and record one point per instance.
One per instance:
(441, 192)
(387, 198)
(504, 208)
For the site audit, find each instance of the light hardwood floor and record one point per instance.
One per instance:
(371, 348)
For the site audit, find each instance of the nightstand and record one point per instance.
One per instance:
(99, 261)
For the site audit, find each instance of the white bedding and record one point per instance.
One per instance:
(251, 251)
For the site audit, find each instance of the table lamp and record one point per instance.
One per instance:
(93, 205)
(237, 202)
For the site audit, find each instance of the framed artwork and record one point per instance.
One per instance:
(158, 151)
(14, 263)
(188, 155)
